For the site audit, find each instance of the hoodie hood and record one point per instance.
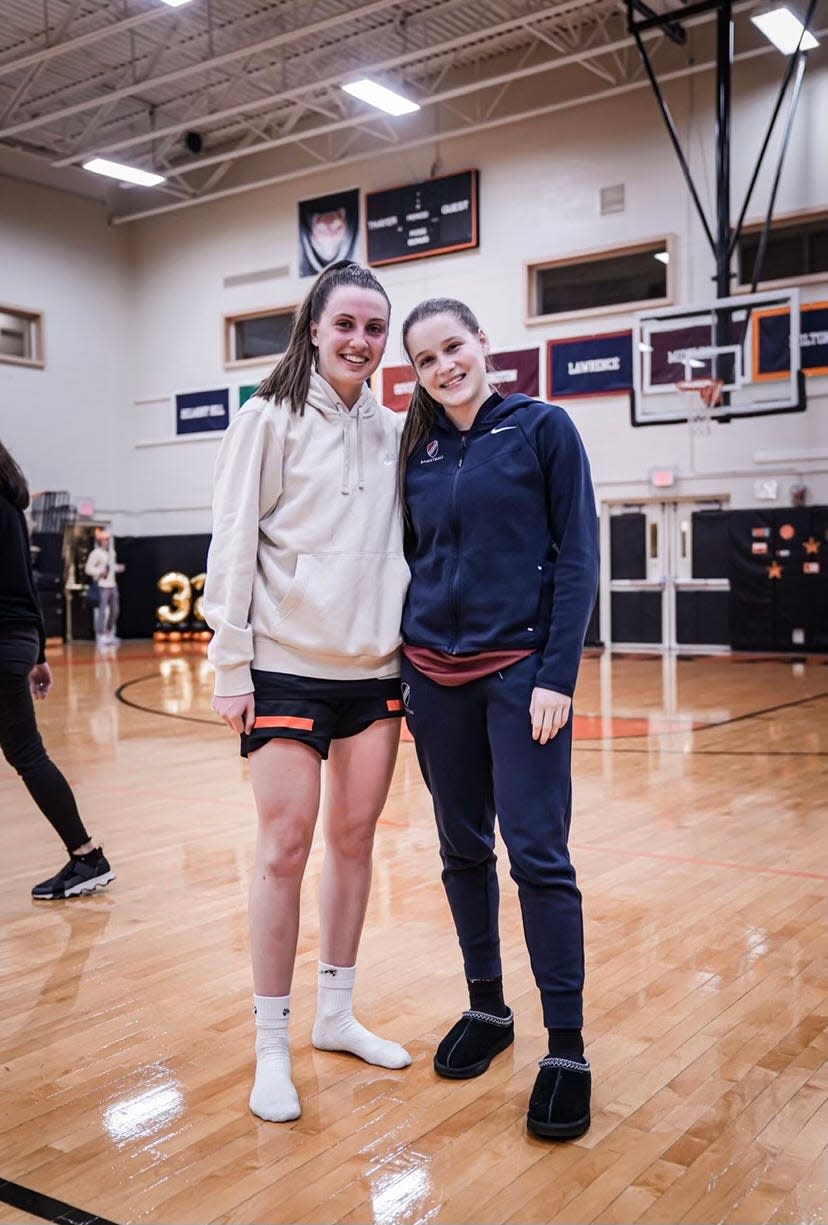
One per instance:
(323, 398)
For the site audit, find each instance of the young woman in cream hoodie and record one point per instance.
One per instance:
(306, 580)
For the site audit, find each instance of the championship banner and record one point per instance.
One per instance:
(516, 370)
(397, 386)
(196, 412)
(771, 341)
(590, 365)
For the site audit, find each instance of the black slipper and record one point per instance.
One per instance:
(559, 1105)
(470, 1046)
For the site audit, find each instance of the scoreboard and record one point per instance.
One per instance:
(429, 218)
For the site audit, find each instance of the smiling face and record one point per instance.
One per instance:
(350, 337)
(450, 363)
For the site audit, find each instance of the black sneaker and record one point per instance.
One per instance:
(82, 874)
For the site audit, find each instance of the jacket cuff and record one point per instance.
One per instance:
(233, 682)
(547, 680)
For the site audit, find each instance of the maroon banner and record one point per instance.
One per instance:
(397, 386)
(517, 370)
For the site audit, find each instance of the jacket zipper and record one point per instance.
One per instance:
(456, 526)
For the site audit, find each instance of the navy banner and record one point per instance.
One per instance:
(771, 342)
(198, 411)
(590, 365)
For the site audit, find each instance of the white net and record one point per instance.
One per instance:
(700, 397)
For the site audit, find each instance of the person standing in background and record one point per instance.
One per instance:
(102, 567)
(24, 674)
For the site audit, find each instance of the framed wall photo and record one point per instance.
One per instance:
(434, 217)
(328, 230)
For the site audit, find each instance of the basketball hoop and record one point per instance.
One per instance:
(701, 396)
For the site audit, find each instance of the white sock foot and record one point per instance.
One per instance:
(274, 1097)
(337, 1029)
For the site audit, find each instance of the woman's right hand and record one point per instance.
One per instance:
(237, 712)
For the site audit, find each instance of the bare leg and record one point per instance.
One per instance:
(358, 778)
(285, 777)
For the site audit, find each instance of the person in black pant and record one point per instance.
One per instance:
(24, 673)
(502, 543)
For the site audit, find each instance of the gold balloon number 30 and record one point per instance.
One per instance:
(185, 604)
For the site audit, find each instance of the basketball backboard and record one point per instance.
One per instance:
(750, 342)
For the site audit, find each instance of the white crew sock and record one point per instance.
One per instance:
(336, 1028)
(274, 1097)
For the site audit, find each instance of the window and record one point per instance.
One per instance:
(600, 282)
(21, 336)
(257, 336)
(797, 250)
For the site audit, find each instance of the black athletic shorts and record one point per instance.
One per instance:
(317, 711)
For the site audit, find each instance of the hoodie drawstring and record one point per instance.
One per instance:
(346, 456)
(360, 464)
(346, 453)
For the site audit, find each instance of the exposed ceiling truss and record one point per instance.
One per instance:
(259, 81)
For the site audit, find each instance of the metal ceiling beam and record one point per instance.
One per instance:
(329, 23)
(83, 40)
(446, 95)
(36, 69)
(397, 61)
(434, 137)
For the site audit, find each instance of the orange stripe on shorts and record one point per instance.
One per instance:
(394, 704)
(302, 725)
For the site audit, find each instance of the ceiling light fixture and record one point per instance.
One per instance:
(174, 4)
(783, 29)
(380, 97)
(126, 174)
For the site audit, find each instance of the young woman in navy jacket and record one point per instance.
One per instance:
(502, 542)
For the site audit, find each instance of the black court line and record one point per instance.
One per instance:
(45, 1207)
(151, 710)
(613, 740)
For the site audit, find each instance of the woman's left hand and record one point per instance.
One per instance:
(549, 712)
(40, 680)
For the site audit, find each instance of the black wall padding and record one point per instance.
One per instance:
(711, 544)
(628, 546)
(703, 617)
(636, 616)
(146, 558)
(765, 612)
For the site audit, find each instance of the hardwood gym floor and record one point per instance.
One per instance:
(701, 841)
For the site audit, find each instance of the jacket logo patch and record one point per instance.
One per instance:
(432, 448)
(500, 428)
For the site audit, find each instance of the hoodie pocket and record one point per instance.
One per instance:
(344, 604)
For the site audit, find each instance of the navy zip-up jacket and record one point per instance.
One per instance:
(503, 537)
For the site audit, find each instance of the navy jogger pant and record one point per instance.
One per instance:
(475, 748)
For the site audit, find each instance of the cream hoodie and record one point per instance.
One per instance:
(306, 572)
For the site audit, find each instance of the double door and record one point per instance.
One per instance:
(664, 574)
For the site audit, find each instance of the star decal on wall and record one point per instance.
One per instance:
(811, 545)
(774, 570)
